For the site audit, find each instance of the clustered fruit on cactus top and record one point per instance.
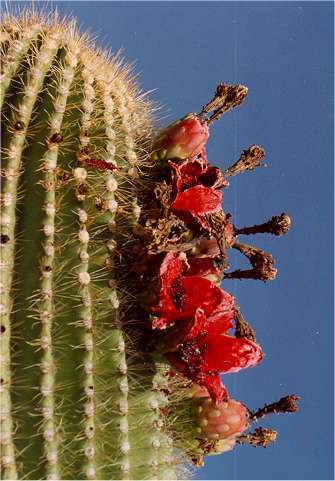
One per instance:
(201, 314)
(186, 241)
(196, 309)
(220, 427)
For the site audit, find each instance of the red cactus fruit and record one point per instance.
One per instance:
(201, 314)
(225, 421)
(206, 267)
(181, 296)
(182, 139)
(198, 200)
(208, 351)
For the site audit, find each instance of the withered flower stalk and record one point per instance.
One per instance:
(243, 329)
(262, 264)
(226, 98)
(260, 437)
(250, 158)
(277, 225)
(286, 404)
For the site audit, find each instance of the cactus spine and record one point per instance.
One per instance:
(79, 400)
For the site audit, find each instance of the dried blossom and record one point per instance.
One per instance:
(261, 261)
(250, 158)
(286, 404)
(260, 437)
(277, 225)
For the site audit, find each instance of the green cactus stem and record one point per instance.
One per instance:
(79, 399)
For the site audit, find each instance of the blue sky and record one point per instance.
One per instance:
(283, 52)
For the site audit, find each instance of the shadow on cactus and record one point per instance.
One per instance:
(114, 244)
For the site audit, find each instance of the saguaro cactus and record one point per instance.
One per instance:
(62, 224)
(89, 220)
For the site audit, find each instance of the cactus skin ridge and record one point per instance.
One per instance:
(79, 398)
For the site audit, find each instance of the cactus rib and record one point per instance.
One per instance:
(14, 154)
(85, 311)
(16, 52)
(47, 265)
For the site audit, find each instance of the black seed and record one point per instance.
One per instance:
(2, 329)
(56, 138)
(4, 239)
